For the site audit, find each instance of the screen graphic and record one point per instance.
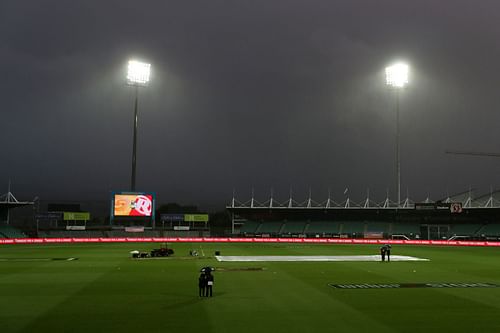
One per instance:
(133, 205)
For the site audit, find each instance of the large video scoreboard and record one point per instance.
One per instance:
(132, 206)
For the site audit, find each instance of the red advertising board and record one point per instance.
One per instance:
(244, 240)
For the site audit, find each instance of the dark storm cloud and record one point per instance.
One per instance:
(263, 94)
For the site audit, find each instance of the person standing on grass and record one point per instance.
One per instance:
(202, 284)
(388, 251)
(383, 251)
(210, 283)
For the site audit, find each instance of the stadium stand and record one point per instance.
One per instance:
(271, 228)
(490, 230)
(383, 228)
(466, 229)
(353, 228)
(410, 230)
(7, 231)
(376, 230)
(120, 233)
(123, 233)
(322, 228)
(378, 227)
(183, 233)
(250, 227)
(152, 233)
(293, 228)
(43, 234)
(458, 216)
(71, 234)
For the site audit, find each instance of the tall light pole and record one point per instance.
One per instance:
(397, 78)
(137, 76)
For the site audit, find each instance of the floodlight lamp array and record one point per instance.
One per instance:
(397, 75)
(138, 72)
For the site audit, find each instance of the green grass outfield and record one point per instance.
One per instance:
(106, 291)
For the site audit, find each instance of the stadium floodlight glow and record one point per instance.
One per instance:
(137, 76)
(138, 72)
(397, 75)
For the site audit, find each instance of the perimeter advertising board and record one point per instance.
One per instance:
(184, 217)
(76, 216)
(196, 217)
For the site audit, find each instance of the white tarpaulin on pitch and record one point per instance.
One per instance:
(316, 258)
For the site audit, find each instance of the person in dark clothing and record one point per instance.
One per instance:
(202, 284)
(383, 251)
(388, 251)
(210, 283)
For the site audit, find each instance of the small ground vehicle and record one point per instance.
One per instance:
(162, 252)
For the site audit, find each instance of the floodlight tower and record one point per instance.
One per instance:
(137, 76)
(397, 78)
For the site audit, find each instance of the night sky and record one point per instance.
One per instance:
(248, 94)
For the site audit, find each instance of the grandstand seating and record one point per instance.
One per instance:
(293, 228)
(271, 228)
(83, 234)
(152, 233)
(378, 227)
(119, 233)
(466, 229)
(250, 227)
(490, 230)
(43, 234)
(359, 229)
(123, 233)
(353, 227)
(182, 233)
(71, 234)
(405, 228)
(7, 231)
(322, 228)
